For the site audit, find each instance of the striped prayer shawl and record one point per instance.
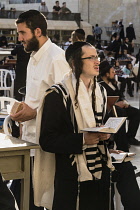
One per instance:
(44, 165)
(93, 154)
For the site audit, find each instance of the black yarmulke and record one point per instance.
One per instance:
(80, 31)
(104, 67)
(104, 64)
(71, 50)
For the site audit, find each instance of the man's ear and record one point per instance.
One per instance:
(107, 74)
(38, 32)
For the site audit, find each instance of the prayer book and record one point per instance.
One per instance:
(123, 156)
(112, 125)
(17, 106)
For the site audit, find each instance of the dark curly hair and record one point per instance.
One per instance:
(33, 19)
(104, 68)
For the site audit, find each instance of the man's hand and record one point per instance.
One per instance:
(27, 113)
(115, 151)
(94, 138)
(104, 136)
(121, 104)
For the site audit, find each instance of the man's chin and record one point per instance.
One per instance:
(27, 50)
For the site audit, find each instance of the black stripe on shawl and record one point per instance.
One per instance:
(96, 170)
(93, 164)
(91, 149)
(93, 156)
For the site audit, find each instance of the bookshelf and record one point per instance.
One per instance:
(11, 35)
(63, 35)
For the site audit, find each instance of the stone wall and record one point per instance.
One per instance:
(103, 12)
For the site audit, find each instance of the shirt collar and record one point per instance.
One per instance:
(37, 55)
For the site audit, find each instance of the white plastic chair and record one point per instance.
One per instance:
(4, 101)
(7, 125)
(136, 68)
(5, 78)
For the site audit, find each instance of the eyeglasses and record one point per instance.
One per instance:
(92, 58)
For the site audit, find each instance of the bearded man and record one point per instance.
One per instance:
(123, 108)
(46, 66)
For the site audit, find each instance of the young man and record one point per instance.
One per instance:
(107, 80)
(56, 11)
(74, 164)
(98, 32)
(47, 65)
(64, 9)
(130, 32)
(56, 8)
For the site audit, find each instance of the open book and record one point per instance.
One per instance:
(112, 125)
(123, 156)
(17, 106)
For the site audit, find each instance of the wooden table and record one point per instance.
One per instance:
(15, 164)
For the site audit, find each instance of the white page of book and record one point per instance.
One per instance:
(113, 122)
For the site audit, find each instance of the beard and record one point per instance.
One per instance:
(113, 81)
(32, 45)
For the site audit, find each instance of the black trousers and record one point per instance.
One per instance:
(7, 201)
(127, 186)
(123, 84)
(93, 194)
(121, 139)
(133, 115)
(129, 84)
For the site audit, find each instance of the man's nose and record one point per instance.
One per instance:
(20, 38)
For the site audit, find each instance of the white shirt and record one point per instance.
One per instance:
(66, 45)
(46, 67)
(43, 8)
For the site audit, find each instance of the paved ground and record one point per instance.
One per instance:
(135, 101)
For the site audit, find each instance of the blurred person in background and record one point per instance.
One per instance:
(130, 32)
(78, 35)
(3, 42)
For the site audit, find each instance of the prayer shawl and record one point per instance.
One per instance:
(44, 165)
